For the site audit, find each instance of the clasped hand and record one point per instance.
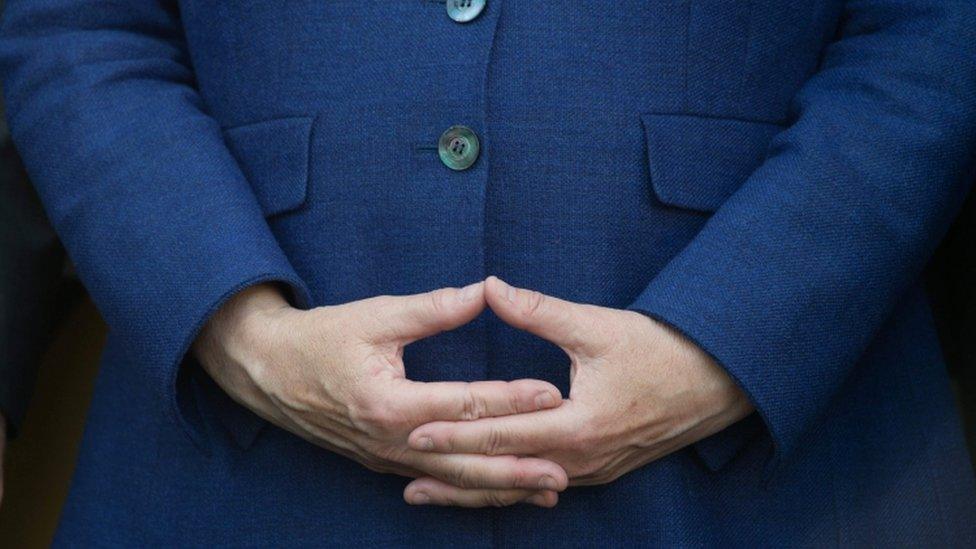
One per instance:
(335, 376)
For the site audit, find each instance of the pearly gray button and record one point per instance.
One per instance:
(458, 147)
(463, 11)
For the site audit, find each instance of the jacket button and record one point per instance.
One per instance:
(463, 11)
(458, 147)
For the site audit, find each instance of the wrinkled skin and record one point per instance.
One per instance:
(639, 392)
(335, 376)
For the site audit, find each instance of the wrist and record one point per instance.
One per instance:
(238, 328)
(253, 303)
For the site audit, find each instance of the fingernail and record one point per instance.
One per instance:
(425, 443)
(544, 400)
(548, 483)
(468, 292)
(420, 498)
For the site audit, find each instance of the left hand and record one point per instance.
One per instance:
(639, 391)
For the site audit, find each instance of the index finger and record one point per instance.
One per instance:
(523, 434)
(467, 401)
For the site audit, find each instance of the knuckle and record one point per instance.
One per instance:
(516, 397)
(438, 302)
(459, 476)
(495, 499)
(534, 302)
(493, 442)
(520, 478)
(381, 417)
(472, 406)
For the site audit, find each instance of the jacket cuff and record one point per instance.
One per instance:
(194, 408)
(721, 448)
(663, 303)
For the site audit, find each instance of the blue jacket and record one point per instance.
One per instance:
(769, 177)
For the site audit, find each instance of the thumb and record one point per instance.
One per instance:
(405, 319)
(561, 322)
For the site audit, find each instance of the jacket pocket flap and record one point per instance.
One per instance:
(273, 155)
(698, 162)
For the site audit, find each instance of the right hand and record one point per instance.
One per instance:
(335, 376)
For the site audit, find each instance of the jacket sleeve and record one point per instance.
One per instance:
(789, 281)
(135, 176)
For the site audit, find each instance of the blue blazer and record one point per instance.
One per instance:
(769, 177)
